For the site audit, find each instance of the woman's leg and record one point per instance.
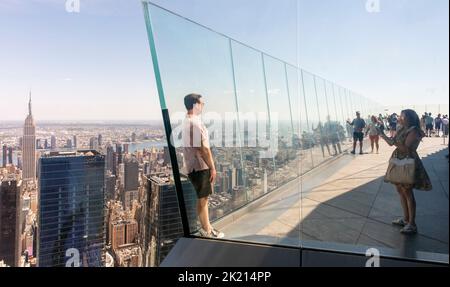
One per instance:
(403, 202)
(372, 142)
(377, 140)
(411, 201)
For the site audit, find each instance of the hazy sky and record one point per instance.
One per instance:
(96, 64)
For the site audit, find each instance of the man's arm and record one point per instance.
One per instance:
(206, 154)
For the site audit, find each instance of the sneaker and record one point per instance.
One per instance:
(203, 233)
(216, 233)
(409, 229)
(399, 222)
(352, 152)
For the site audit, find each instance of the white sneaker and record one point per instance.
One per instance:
(409, 229)
(203, 233)
(216, 233)
(213, 234)
(399, 222)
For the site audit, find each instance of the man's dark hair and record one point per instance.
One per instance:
(190, 100)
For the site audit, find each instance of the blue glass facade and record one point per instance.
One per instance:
(71, 209)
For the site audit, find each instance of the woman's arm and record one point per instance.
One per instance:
(390, 141)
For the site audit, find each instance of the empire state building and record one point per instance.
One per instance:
(29, 147)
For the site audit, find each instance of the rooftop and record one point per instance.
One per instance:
(70, 153)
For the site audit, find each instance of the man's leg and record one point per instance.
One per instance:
(321, 147)
(354, 143)
(203, 213)
(361, 138)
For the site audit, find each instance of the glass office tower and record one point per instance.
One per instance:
(71, 228)
(162, 216)
(9, 220)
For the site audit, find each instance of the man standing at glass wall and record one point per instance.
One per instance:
(199, 161)
(358, 135)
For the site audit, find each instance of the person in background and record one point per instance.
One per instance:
(438, 125)
(445, 125)
(407, 141)
(428, 125)
(381, 122)
(422, 122)
(333, 130)
(322, 138)
(393, 124)
(358, 132)
(374, 134)
(349, 129)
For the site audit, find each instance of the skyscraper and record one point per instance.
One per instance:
(53, 142)
(166, 156)
(9, 220)
(29, 146)
(110, 183)
(109, 158)
(75, 143)
(10, 155)
(4, 155)
(131, 173)
(100, 140)
(93, 143)
(69, 144)
(71, 208)
(162, 222)
(123, 232)
(119, 153)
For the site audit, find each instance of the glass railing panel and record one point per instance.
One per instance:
(251, 85)
(282, 125)
(306, 136)
(334, 125)
(313, 117)
(295, 98)
(342, 110)
(323, 129)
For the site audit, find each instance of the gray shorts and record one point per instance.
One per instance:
(201, 183)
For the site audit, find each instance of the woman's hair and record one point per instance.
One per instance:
(413, 120)
(374, 119)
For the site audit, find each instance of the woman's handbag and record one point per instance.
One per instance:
(401, 171)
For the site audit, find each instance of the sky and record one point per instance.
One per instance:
(96, 64)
